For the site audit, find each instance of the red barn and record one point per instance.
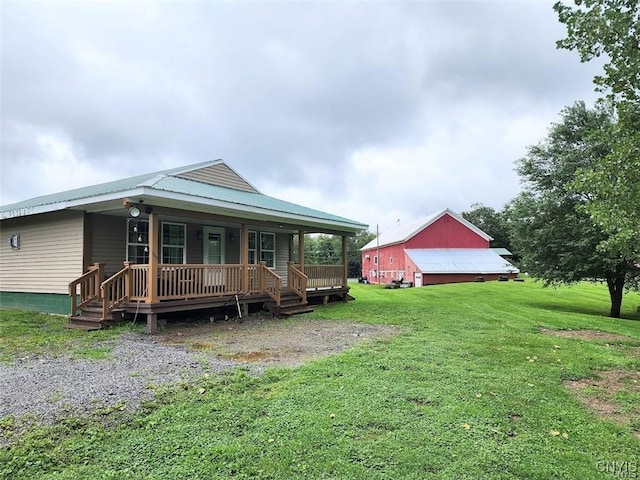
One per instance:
(443, 248)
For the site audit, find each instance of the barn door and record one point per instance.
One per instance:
(417, 279)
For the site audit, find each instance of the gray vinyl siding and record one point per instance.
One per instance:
(195, 253)
(220, 175)
(232, 245)
(50, 254)
(109, 242)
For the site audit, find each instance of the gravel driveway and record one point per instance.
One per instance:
(45, 388)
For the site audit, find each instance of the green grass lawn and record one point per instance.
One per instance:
(27, 333)
(469, 389)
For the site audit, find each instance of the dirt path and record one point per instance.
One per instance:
(263, 339)
(601, 394)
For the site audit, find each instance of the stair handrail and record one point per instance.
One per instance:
(270, 283)
(89, 283)
(116, 290)
(297, 281)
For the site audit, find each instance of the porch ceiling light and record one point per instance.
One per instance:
(134, 212)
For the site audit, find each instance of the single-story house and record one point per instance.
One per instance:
(193, 237)
(443, 248)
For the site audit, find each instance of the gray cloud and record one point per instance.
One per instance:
(292, 95)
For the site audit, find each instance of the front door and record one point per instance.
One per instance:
(213, 248)
(417, 277)
(213, 245)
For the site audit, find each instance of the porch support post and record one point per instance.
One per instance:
(345, 262)
(152, 280)
(99, 278)
(244, 256)
(152, 323)
(128, 285)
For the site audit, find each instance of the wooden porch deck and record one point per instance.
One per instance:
(187, 287)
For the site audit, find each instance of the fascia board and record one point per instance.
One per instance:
(71, 204)
(150, 194)
(255, 213)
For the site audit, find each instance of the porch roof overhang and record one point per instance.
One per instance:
(179, 194)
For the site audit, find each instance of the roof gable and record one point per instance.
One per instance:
(219, 174)
(404, 233)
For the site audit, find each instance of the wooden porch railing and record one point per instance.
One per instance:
(139, 275)
(89, 284)
(193, 281)
(324, 276)
(186, 281)
(254, 278)
(297, 281)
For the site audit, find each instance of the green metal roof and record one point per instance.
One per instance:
(242, 198)
(95, 190)
(162, 183)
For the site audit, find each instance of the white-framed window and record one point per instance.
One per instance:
(138, 241)
(174, 242)
(375, 259)
(268, 248)
(390, 260)
(253, 247)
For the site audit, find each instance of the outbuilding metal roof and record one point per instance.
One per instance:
(503, 252)
(460, 260)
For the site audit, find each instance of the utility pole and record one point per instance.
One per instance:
(377, 255)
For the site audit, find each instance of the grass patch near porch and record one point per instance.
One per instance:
(24, 334)
(472, 387)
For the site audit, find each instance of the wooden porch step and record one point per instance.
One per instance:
(288, 311)
(84, 323)
(92, 312)
(289, 305)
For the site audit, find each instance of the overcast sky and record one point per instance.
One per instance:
(376, 111)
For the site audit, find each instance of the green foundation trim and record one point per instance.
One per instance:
(37, 302)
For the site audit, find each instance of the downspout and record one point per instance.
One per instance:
(301, 250)
(345, 262)
(244, 256)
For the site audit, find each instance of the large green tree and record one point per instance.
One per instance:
(489, 221)
(611, 28)
(612, 185)
(558, 241)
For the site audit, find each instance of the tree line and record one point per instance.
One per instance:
(327, 250)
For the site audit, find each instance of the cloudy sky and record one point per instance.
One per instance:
(376, 111)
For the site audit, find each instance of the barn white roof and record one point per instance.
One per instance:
(460, 260)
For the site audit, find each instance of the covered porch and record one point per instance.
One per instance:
(156, 287)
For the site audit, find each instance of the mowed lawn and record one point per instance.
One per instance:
(470, 388)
